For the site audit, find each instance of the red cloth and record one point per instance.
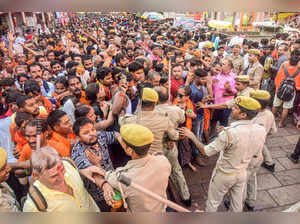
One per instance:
(175, 84)
(28, 37)
(7, 114)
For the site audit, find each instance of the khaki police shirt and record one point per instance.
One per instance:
(267, 120)
(255, 73)
(159, 124)
(238, 63)
(151, 172)
(244, 92)
(8, 202)
(174, 113)
(237, 144)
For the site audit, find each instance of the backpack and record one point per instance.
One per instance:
(287, 90)
(36, 195)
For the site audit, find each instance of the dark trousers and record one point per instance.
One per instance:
(19, 189)
(221, 115)
(296, 153)
(134, 104)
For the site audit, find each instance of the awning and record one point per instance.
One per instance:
(219, 24)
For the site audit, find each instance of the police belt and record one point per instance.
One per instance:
(230, 174)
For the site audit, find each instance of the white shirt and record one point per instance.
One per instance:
(5, 139)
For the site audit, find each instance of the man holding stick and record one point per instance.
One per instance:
(149, 171)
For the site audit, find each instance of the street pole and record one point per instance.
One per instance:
(10, 22)
(24, 18)
(170, 69)
(128, 182)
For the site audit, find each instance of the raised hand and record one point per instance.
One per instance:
(200, 105)
(219, 129)
(93, 158)
(11, 36)
(190, 113)
(227, 86)
(108, 194)
(184, 132)
(90, 171)
(16, 153)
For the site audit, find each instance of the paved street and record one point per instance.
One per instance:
(276, 191)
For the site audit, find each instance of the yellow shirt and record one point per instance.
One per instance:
(61, 202)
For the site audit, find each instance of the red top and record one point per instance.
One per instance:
(175, 84)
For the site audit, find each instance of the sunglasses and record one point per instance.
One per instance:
(181, 95)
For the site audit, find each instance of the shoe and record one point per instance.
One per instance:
(269, 167)
(200, 161)
(187, 202)
(293, 159)
(249, 208)
(227, 204)
(168, 209)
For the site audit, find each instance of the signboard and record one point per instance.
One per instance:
(197, 17)
(186, 22)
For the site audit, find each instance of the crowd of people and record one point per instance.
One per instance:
(96, 98)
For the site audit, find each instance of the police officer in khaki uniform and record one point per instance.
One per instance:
(160, 125)
(237, 60)
(237, 145)
(241, 85)
(177, 116)
(256, 70)
(8, 202)
(266, 119)
(149, 171)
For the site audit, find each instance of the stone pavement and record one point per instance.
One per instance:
(276, 191)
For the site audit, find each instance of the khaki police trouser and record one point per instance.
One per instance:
(250, 193)
(176, 174)
(267, 156)
(221, 184)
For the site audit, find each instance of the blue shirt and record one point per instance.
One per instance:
(49, 92)
(78, 156)
(197, 96)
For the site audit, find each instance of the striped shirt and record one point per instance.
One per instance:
(78, 156)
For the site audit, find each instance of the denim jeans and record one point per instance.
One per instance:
(222, 115)
(197, 129)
